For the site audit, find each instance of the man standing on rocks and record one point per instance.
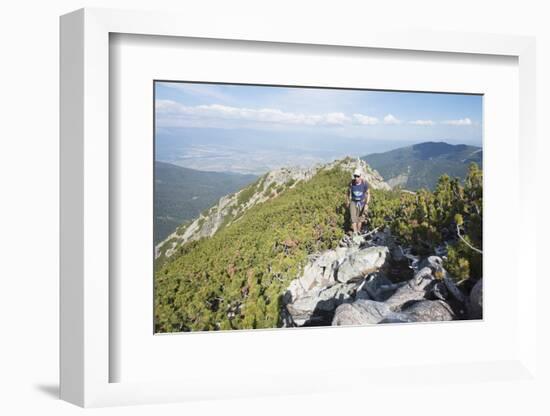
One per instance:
(358, 197)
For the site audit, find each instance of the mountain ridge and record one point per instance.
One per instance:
(231, 207)
(420, 165)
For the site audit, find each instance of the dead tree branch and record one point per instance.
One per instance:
(372, 231)
(466, 242)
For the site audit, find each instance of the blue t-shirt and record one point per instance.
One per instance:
(358, 191)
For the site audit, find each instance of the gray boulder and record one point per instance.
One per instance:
(362, 294)
(475, 301)
(331, 297)
(435, 263)
(397, 318)
(360, 312)
(453, 288)
(379, 287)
(365, 312)
(429, 311)
(321, 271)
(439, 291)
(418, 288)
(318, 300)
(301, 308)
(361, 263)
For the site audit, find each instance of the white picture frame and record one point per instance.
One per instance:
(85, 356)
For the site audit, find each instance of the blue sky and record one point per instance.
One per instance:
(253, 129)
(403, 116)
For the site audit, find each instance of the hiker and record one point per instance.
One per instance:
(357, 198)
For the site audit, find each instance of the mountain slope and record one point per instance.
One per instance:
(231, 208)
(181, 194)
(420, 165)
(287, 254)
(236, 277)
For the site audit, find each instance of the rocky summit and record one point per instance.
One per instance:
(364, 282)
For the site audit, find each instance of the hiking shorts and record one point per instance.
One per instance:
(357, 213)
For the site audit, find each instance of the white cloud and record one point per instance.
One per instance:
(168, 109)
(390, 119)
(365, 120)
(461, 122)
(335, 118)
(423, 122)
(166, 106)
(171, 113)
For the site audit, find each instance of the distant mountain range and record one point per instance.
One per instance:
(181, 194)
(420, 165)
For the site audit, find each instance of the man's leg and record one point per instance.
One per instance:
(352, 216)
(360, 219)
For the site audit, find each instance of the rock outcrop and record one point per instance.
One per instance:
(331, 279)
(361, 263)
(350, 286)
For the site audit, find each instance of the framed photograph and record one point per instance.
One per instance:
(246, 204)
(286, 206)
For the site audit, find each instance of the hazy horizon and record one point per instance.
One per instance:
(254, 129)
